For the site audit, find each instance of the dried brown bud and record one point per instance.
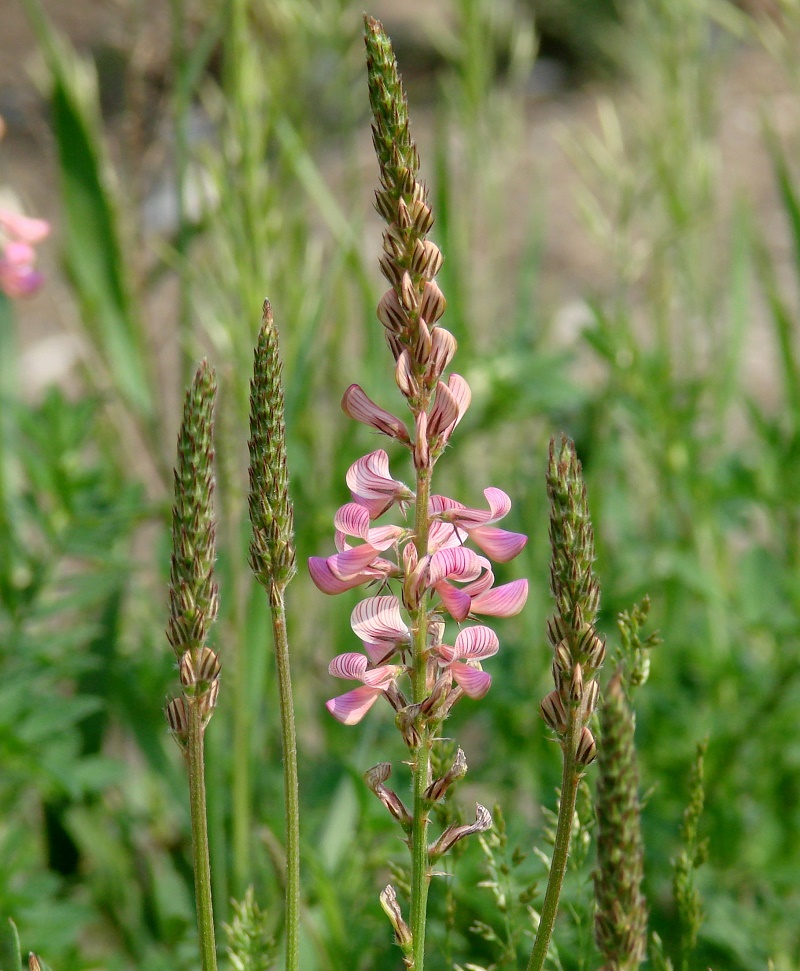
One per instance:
(587, 748)
(404, 376)
(390, 313)
(576, 684)
(392, 910)
(443, 347)
(375, 778)
(433, 302)
(408, 295)
(438, 788)
(552, 710)
(422, 455)
(178, 718)
(456, 832)
(589, 702)
(422, 215)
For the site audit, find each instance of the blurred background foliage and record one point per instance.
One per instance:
(259, 113)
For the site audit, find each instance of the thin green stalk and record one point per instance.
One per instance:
(195, 761)
(290, 781)
(181, 105)
(570, 777)
(420, 870)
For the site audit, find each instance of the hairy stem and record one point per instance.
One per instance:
(570, 777)
(290, 782)
(420, 871)
(202, 867)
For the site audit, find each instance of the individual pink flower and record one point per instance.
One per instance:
(377, 622)
(354, 565)
(351, 707)
(358, 405)
(499, 544)
(479, 597)
(473, 645)
(452, 401)
(372, 485)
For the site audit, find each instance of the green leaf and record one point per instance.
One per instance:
(10, 956)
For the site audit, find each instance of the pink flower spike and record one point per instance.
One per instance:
(357, 404)
(378, 619)
(504, 601)
(350, 708)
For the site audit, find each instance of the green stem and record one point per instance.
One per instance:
(290, 782)
(200, 860)
(420, 870)
(570, 777)
(182, 99)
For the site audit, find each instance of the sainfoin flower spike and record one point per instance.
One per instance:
(430, 561)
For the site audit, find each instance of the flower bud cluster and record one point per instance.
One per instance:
(272, 550)
(411, 308)
(193, 596)
(578, 652)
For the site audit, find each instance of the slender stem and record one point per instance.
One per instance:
(290, 782)
(420, 872)
(181, 106)
(200, 859)
(570, 777)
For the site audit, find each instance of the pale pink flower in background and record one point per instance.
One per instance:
(18, 236)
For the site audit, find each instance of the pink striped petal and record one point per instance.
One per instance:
(500, 544)
(444, 412)
(462, 393)
(369, 478)
(382, 677)
(325, 580)
(446, 653)
(504, 601)
(350, 666)
(474, 682)
(352, 519)
(351, 563)
(358, 405)
(443, 535)
(455, 601)
(438, 504)
(456, 563)
(380, 651)
(350, 708)
(379, 619)
(476, 643)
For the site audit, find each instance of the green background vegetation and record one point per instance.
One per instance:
(693, 480)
